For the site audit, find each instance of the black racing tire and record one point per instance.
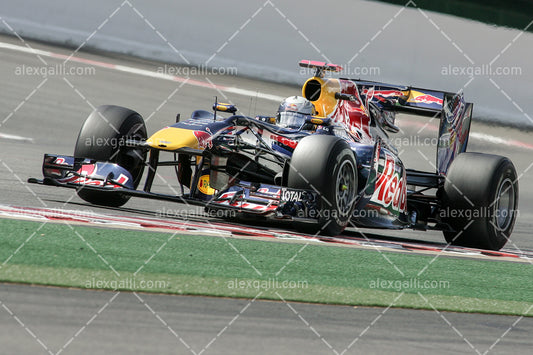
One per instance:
(327, 165)
(101, 138)
(480, 200)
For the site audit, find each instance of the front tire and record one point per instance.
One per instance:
(101, 138)
(327, 165)
(480, 201)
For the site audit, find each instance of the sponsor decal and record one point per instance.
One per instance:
(291, 107)
(203, 185)
(89, 170)
(285, 141)
(391, 188)
(226, 195)
(384, 93)
(292, 195)
(263, 190)
(60, 161)
(122, 179)
(427, 99)
(204, 139)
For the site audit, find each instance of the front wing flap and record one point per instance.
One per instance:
(244, 197)
(263, 199)
(67, 170)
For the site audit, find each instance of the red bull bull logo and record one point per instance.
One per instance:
(204, 139)
(385, 93)
(427, 99)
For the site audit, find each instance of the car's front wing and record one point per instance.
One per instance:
(243, 197)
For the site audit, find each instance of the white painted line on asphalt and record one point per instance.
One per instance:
(498, 140)
(228, 89)
(225, 229)
(15, 137)
(251, 93)
(474, 135)
(142, 72)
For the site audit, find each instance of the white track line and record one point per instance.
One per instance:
(141, 72)
(205, 84)
(225, 229)
(474, 135)
(15, 138)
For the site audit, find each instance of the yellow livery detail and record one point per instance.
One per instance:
(321, 92)
(172, 138)
(317, 121)
(204, 187)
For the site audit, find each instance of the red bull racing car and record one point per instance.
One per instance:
(324, 166)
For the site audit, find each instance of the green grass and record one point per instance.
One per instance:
(78, 256)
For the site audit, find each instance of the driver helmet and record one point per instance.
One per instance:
(293, 111)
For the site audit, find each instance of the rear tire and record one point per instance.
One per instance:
(101, 138)
(480, 201)
(327, 165)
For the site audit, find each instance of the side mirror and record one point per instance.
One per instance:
(318, 121)
(267, 119)
(222, 107)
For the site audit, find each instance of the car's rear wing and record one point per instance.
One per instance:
(405, 98)
(454, 113)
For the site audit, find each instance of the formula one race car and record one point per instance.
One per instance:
(332, 169)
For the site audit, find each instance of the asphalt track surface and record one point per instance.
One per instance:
(41, 115)
(82, 322)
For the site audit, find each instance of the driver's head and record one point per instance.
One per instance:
(293, 111)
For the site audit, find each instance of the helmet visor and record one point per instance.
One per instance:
(291, 119)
